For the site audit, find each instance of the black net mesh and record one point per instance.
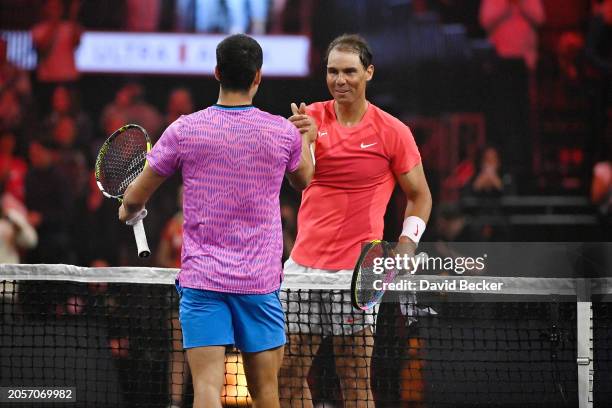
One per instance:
(119, 345)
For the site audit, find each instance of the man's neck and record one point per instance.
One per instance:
(231, 98)
(350, 114)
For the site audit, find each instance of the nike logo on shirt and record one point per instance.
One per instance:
(364, 146)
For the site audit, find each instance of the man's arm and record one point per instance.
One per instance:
(532, 10)
(414, 185)
(493, 12)
(301, 177)
(138, 193)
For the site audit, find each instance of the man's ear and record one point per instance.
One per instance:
(217, 74)
(370, 72)
(257, 79)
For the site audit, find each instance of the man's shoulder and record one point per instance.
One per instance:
(319, 107)
(321, 111)
(275, 123)
(388, 122)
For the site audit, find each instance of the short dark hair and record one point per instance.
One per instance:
(239, 57)
(352, 43)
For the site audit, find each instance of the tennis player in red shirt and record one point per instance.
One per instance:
(361, 152)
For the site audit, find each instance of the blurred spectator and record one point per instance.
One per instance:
(180, 103)
(512, 27)
(129, 103)
(11, 114)
(599, 38)
(64, 102)
(48, 200)
(461, 175)
(169, 249)
(12, 77)
(15, 91)
(184, 15)
(231, 16)
(70, 161)
(72, 164)
(239, 12)
(16, 233)
(569, 48)
(210, 16)
(598, 52)
(294, 19)
(601, 192)
(451, 225)
(143, 15)
(56, 40)
(464, 12)
(289, 222)
(13, 169)
(488, 185)
(488, 180)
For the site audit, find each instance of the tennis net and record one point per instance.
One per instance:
(112, 334)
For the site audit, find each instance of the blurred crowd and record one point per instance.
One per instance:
(48, 141)
(202, 16)
(51, 210)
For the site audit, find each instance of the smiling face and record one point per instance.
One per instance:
(347, 77)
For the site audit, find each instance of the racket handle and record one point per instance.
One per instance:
(141, 240)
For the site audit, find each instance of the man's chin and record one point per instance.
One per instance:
(342, 98)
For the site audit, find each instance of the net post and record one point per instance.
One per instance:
(584, 346)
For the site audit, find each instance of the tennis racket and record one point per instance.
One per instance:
(369, 269)
(121, 159)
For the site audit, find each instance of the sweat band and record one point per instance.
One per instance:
(414, 227)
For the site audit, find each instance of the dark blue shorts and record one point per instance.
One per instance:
(252, 323)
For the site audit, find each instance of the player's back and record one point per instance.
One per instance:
(233, 160)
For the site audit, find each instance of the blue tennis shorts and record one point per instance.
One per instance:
(252, 323)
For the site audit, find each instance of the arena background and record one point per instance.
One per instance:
(548, 123)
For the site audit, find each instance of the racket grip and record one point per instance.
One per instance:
(141, 240)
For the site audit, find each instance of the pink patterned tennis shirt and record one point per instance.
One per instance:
(233, 160)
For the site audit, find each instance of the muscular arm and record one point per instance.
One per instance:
(414, 185)
(138, 193)
(301, 177)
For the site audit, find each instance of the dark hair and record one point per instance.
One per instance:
(352, 43)
(239, 57)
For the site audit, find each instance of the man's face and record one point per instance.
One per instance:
(346, 76)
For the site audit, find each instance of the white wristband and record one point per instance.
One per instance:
(414, 227)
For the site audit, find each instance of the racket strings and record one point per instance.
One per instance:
(369, 272)
(123, 161)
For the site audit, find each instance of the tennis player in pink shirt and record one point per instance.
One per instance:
(233, 158)
(361, 153)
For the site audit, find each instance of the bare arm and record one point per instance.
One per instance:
(301, 177)
(43, 36)
(532, 10)
(492, 13)
(415, 187)
(138, 193)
